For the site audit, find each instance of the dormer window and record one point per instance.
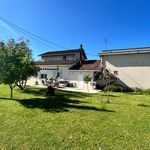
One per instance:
(64, 57)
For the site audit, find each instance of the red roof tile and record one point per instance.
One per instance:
(87, 65)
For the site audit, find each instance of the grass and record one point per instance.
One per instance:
(73, 121)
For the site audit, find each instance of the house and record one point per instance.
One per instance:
(131, 66)
(67, 65)
(81, 68)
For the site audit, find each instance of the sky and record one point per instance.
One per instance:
(124, 23)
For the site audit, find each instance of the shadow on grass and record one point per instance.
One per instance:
(109, 95)
(42, 91)
(56, 104)
(63, 101)
(144, 105)
(34, 91)
(7, 98)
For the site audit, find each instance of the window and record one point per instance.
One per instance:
(65, 57)
(44, 76)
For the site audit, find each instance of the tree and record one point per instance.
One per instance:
(87, 78)
(105, 78)
(26, 67)
(109, 79)
(15, 63)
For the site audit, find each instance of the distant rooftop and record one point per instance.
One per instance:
(64, 52)
(125, 51)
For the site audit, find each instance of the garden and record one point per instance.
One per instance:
(73, 121)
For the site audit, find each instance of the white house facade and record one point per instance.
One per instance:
(132, 66)
(67, 65)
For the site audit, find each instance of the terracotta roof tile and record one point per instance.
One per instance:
(87, 65)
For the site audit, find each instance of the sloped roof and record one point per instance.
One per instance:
(65, 62)
(64, 52)
(87, 65)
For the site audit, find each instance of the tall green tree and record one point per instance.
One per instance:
(26, 67)
(16, 64)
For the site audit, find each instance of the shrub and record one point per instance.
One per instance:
(87, 78)
(114, 88)
(36, 82)
(147, 91)
(43, 82)
(142, 91)
(137, 90)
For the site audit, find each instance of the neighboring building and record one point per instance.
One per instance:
(132, 66)
(67, 65)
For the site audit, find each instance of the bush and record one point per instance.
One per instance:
(36, 82)
(141, 91)
(43, 82)
(137, 90)
(147, 91)
(87, 78)
(114, 88)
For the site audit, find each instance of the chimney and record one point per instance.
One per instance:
(81, 46)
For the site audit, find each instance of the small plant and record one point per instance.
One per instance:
(43, 82)
(103, 104)
(36, 82)
(87, 78)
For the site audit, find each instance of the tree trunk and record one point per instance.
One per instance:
(20, 86)
(11, 92)
(88, 87)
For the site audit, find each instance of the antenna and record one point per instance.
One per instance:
(105, 43)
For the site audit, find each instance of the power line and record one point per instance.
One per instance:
(15, 27)
(34, 36)
(31, 35)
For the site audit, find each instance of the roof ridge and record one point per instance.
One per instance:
(126, 49)
(60, 51)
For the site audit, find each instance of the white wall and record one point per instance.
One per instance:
(77, 78)
(62, 68)
(53, 58)
(75, 56)
(133, 69)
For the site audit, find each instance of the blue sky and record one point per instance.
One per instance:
(125, 23)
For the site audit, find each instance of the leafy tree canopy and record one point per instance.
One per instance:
(16, 64)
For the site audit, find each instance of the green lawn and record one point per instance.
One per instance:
(73, 121)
